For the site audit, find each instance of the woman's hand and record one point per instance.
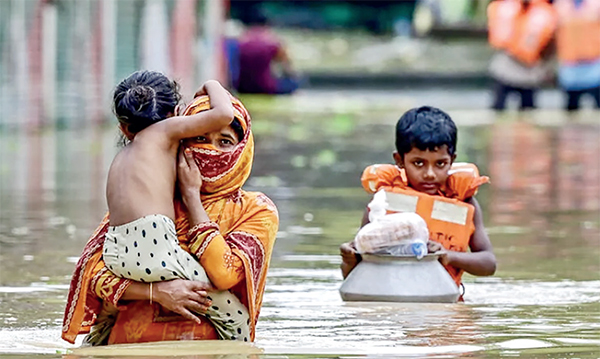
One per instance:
(190, 182)
(184, 297)
(188, 176)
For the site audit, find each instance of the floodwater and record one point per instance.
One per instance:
(542, 212)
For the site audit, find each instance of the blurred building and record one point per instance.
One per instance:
(374, 16)
(74, 52)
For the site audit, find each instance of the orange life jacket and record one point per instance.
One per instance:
(578, 34)
(521, 33)
(448, 217)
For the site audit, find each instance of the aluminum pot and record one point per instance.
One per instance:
(385, 278)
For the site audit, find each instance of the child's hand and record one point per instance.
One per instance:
(202, 90)
(350, 258)
(188, 175)
(348, 253)
(435, 247)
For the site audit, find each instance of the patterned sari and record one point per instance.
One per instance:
(234, 248)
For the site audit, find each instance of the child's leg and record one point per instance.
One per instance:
(229, 316)
(147, 250)
(143, 250)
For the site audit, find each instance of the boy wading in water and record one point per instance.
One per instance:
(425, 180)
(141, 243)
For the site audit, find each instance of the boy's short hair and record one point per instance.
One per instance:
(425, 128)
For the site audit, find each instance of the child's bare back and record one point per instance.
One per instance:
(142, 177)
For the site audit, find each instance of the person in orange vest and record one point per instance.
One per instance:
(425, 180)
(521, 32)
(578, 49)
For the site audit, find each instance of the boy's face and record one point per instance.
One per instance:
(426, 171)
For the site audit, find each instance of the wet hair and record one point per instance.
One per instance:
(425, 128)
(144, 98)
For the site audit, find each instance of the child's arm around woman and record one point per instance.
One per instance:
(177, 128)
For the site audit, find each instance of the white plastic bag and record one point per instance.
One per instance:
(397, 234)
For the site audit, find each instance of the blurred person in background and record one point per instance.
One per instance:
(260, 53)
(521, 31)
(578, 49)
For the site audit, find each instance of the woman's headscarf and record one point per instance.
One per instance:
(247, 220)
(223, 173)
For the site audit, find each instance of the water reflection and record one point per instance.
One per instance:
(541, 210)
(543, 169)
